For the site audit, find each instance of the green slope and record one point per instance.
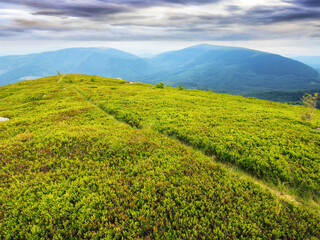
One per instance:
(70, 170)
(265, 138)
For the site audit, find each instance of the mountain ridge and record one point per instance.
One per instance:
(312, 61)
(224, 66)
(204, 66)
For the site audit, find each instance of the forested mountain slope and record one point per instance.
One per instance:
(232, 69)
(219, 68)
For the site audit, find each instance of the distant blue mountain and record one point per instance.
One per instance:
(219, 68)
(232, 69)
(105, 62)
(312, 61)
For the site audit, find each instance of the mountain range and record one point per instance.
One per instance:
(208, 67)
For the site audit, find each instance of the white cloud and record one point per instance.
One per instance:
(272, 25)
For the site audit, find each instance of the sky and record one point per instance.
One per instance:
(143, 27)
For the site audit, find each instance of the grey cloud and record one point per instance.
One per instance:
(233, 8)
(256, 16)
(69, 25)
(96, 8)
(116, 20)
(92, 10)
(76, 8)
(296, 16)
(271, 15)
(37, 25)
(10, 32)
(191, 1)
(50, 12)
(31, 3)
(306, 3)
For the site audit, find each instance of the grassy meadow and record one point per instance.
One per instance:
(267, 139)
(86, 157)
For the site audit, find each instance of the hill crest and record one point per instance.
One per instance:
(89, 157)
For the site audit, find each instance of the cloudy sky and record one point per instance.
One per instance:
(288, 27)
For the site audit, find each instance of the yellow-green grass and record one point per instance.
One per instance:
(264, 138)
(69, 170)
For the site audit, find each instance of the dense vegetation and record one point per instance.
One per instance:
(292, 97)
(265, 138)
(69, 170)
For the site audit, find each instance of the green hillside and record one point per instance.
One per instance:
(86, 157)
